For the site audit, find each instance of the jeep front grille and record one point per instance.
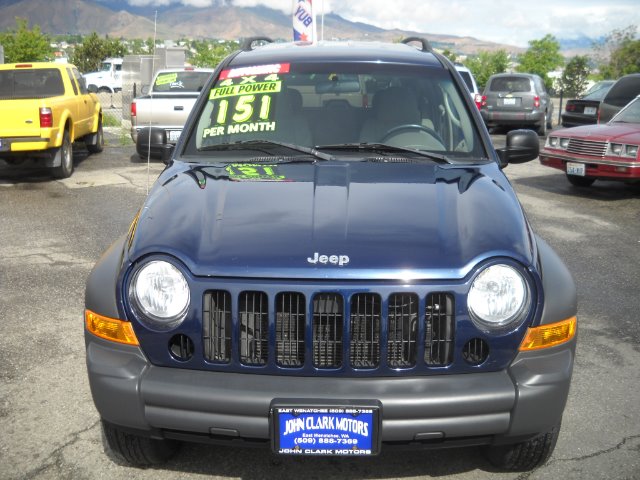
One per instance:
(403, 330)
(328, 316)
(217, 327)
(254, 328)
(356, 332)
(290, 321)
(438, 330)
(364, 341)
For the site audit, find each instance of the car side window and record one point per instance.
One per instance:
(541, 87)
(81, 82)
(73, 83)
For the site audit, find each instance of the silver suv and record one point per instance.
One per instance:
(517, 100)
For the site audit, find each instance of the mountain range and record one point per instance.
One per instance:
(119, 19)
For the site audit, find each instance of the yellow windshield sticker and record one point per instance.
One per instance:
(239, 128)
(244, 89)
(166, 78)
(249, 172)
(244, 105)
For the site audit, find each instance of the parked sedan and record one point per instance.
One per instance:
(584, 110)
(598, 152)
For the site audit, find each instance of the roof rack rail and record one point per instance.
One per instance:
(247, 43)
(426, 46)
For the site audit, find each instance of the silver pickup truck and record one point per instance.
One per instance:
(166, 104)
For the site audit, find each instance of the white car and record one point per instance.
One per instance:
(470, 82)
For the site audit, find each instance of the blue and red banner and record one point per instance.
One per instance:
(304, 24)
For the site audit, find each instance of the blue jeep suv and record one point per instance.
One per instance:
(332, 263)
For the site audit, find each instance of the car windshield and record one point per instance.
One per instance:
(185, 81)
(357, 109)
(630, 114)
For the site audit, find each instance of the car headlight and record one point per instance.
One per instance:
(552, 141)
(159, 294)
(564, 143)
(631, 150)
(498, 296)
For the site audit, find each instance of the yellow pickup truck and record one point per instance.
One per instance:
(44, 109)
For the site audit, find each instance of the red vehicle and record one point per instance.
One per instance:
(598, 152)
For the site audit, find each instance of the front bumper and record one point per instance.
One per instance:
(497, 407)
(614, 169)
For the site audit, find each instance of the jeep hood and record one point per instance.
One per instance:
(365, 220)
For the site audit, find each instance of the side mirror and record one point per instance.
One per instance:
(92, 88)
(144, 90)
(152, 143)
(522, 146)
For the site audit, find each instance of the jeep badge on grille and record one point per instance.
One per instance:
(340, 260)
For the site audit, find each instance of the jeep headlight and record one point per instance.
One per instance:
(159, 294)
(498, 296)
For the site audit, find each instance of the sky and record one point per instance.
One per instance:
(510, 22)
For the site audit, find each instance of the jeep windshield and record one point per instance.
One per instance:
(349, 111)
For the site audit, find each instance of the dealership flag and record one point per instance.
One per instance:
(304, 24)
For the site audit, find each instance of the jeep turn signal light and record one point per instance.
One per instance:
(110, 328)
(550, 335)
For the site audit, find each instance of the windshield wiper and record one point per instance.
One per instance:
(384, 148)
(262, 144)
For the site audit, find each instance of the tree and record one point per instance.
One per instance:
(450, 55)
(486, 64)
(24, 45)
(575, 76)
(209, 55)
(114, 48)
(88, 56)
(619, 53)
(542, 56)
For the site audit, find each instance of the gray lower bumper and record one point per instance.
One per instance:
(513, 118)
(527, 399)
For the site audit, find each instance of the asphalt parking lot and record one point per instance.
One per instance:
(52, 233)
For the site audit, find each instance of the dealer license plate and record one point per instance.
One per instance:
(590, 110)
(313, 430)
(576, 169)
(174, 135)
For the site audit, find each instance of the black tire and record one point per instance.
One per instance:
(577, 181)
(97, 138)
(524, 456)
(64, 155)
(136, 450)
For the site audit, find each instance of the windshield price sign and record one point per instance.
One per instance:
(332, 430)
